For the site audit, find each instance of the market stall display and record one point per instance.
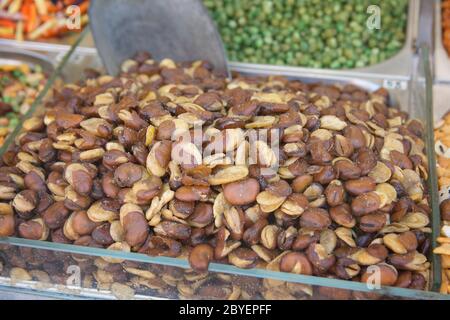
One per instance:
(19, 86)
(38, 19)
(311, 33)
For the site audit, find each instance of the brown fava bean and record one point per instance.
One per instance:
(252, 235)
(34, 182)
(173, 230)
(366, 160)
(55, 215)
(109, 187)
(365, 203)
(102, 235)
(241, 192)
(400, 160)
(335, 193)
(355, 135)
(295, 262)
(135, 227)
(7, 225)
(303, 241)
(200, 257)
(82, 182)
(319, 258)
(343, 146)
(445, 209)
(342, 215)
(192, 193)
(33, 229)
(202, 216)
(300, 183)
(388, 275)
(127, 174)
(347, 170)
(325, 175)
(280, 188)
(81, 223)
(408, 240)
(243, 258)
(372, 222)
(360, 186)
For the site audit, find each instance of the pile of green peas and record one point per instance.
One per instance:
(310, 33)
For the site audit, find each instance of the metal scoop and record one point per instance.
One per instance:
(178, 29)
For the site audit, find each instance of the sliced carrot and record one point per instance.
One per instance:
(32, 22)
(7, 23)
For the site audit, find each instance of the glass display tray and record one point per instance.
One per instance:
(79, 272)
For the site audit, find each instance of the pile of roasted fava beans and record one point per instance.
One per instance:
(175, 160)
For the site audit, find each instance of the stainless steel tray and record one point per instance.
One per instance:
(87, 58)
(11, 56)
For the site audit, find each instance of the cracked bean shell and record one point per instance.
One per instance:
(386, 274)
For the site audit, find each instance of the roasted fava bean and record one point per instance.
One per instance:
(134, 224)
(360, 186)
(7, 224)
(335, 193)
(295, 262)
(55, 215)
(342, 215)
(366, 203)
(33, 229)
(200, 257)
(315, 218)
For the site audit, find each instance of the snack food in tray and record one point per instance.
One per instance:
(172, 159)
(19, 87)
(40, 19)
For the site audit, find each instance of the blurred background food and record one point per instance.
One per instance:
(39, 19)
(310, 33)
(19, 87)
